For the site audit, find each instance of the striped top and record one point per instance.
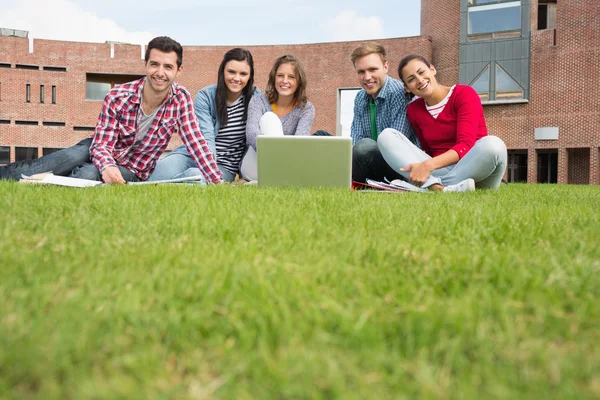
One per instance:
(436, 109)
(230, 143)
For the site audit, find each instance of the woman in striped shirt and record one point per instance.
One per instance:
(222, 110)
(457, 154)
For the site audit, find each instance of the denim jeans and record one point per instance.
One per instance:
(367, 162)
(179, 164)
(485, 163)
(61, 162)
(89, 171)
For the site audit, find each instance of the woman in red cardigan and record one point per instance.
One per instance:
(457, 154)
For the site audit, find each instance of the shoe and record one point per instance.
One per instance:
(468, 185)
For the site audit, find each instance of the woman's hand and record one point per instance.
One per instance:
(419, 172)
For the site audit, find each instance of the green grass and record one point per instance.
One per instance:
(236, 292)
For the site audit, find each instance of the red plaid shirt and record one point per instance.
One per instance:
(114, 139)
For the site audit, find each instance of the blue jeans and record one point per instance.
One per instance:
(61, 162)
(179, 164)
(89, 171)
(485, 163)
(367, 162)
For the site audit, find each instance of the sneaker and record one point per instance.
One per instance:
(468, 185)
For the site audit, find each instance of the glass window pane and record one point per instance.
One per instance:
(26, 153)
(507, 87)
(4, 155)
(481, 84)
(49, 150)
(96, 90)
(494, 18)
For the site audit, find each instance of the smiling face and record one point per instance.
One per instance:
(236, 75)
(372, 72)
(419, 79)
(286, 81)
(161, 70)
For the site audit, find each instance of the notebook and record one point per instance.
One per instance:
(304, 161)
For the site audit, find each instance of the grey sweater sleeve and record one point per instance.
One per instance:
(306, 119)
(256, 110)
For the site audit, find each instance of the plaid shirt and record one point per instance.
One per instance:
(114, 139)
(391, 104)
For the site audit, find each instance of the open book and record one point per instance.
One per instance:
(397, 185)
(48, 178)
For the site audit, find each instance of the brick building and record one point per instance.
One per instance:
(528, 60)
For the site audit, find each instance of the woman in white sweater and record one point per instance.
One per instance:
(282, 110)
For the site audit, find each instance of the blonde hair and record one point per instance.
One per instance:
(368, 48)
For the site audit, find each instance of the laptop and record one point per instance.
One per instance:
(304, 161)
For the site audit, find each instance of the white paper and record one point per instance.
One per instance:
(50, 179)
(195, 178)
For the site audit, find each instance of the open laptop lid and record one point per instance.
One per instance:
(304, 161)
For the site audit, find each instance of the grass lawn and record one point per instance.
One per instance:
(237, 292)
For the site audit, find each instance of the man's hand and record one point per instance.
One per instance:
(112, 175)
(419, 172)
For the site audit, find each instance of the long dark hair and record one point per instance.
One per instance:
(300, 94)
(236, 54)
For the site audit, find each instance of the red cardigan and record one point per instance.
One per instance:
(460, 124)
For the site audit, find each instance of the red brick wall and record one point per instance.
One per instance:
(579, 160)
(440, 20)
(328, 67)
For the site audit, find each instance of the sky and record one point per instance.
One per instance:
(209, 22)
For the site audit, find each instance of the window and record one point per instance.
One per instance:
(84, 128)
(481, 84)
(492, 19)
(42, 94)
(546, 14)
(55, 69)
(98, 85)
(4, 155)
(49, 150)
(517, 165)
(506, 87)
(28, 93)
(346, 109)
(53, 94)
(26, 153)
(25, 66)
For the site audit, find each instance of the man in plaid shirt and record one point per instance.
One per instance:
(135, 125)
(379, 105)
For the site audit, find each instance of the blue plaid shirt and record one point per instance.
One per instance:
(391, 104)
